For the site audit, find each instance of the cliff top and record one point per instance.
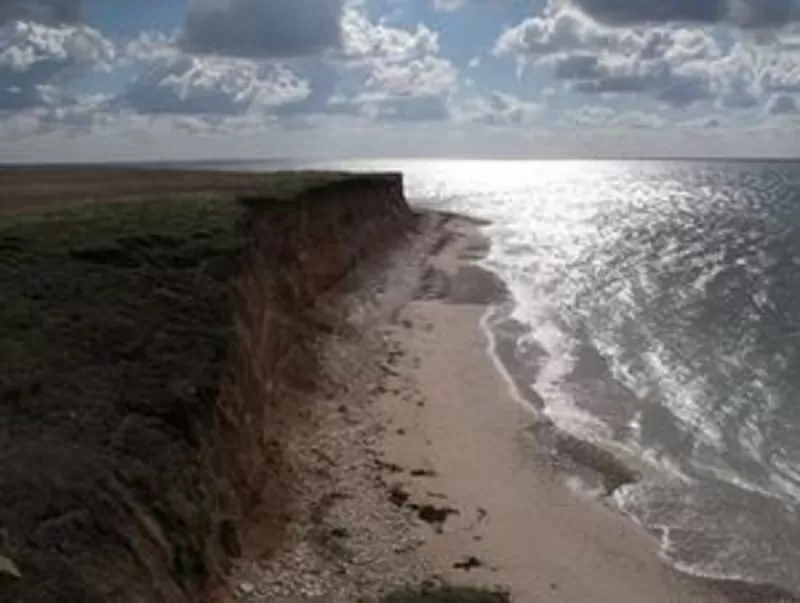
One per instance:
(25, 189)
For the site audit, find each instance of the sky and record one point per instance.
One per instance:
(117, 80)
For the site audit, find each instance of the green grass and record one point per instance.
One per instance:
(449, 595)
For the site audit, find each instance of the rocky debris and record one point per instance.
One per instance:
(468, 564)
(446, 239)
(435, 285)
(397, 496)
(389, 370)
(434, 515)
(349, 540)
(390, 467)
(354, 534)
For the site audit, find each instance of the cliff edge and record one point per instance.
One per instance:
(154, 356)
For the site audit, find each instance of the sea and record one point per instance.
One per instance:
(658, 314)
(660, 306)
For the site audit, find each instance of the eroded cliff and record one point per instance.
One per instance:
(154, 357)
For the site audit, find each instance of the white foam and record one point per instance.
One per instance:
(681, 394)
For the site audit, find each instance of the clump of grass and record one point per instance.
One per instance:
(449, 594)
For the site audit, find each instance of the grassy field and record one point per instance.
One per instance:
(27, 189)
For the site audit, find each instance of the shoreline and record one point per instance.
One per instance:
(600, 473)
(608, 556)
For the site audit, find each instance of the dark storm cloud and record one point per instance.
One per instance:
(747, 13)
(41, 11)
(639, 11)
(262, 28)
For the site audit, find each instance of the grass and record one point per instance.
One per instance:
(26, 190)
(449, 594)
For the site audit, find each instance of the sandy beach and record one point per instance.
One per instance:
(455, 418)
(427, 467)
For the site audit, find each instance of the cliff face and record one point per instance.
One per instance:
(137, 438)
(310, 244)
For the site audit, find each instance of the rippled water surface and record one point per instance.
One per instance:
(664, 298)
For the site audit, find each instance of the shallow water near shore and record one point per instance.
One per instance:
(655, 315)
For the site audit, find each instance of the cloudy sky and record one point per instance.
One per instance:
(88, 80)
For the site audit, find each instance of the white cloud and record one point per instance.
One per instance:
(189, 84)
(367, 41)
(677, 65)
(426, 76)
(381, 72)
(25, 45)
(39, 62)
(151, 46)
(778, 68)
(555, 30)
(498, 109)
(393, 73)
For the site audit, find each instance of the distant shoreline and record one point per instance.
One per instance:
(286, 162)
